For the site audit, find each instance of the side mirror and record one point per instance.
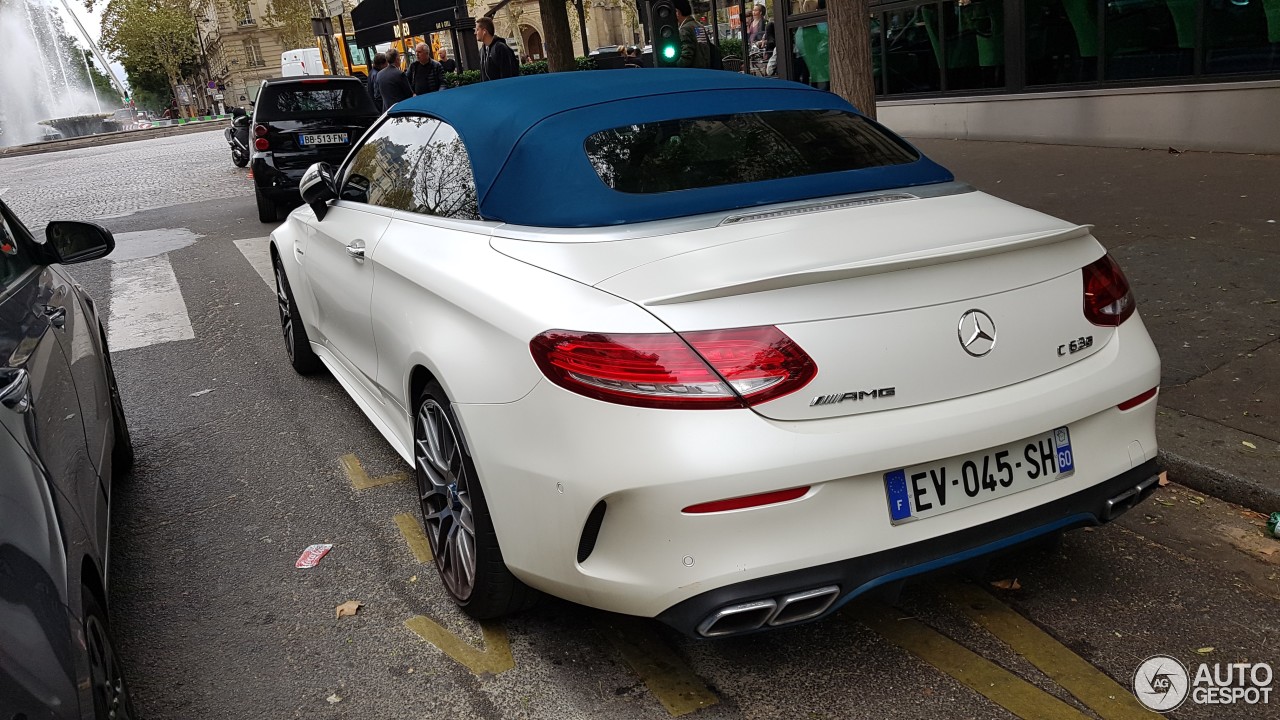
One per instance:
(317, 188)
(72, 241)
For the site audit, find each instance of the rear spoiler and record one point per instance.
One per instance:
(892, 263)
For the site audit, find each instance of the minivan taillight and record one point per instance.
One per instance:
(708, 369)
(1108, 301)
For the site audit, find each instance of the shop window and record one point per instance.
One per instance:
(877, 51)
(1062, 41)
(1242, 36)
(912, 50)
(811, 56)
(974, 47)
(1149, 38)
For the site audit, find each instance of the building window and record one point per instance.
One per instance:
(1149, 38)
(1242, 36)
(911, 50)
(243, 12)
(253, 53)
(1062, 41)
(973, 35)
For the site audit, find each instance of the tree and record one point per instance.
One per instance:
(556, 40)
(108, 95)
(159, 34)
(292, 19)
(849, 35)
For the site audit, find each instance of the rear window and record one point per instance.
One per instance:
(740, 148)
(313, 99)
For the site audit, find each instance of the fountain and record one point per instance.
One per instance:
(31, 37)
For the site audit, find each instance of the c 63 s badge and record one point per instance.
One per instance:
(855, 396)
(1075, 346)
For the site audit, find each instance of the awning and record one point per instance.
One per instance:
(375, 20)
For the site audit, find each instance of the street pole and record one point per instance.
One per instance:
(582, 28)
(399, 24)
(344, 48)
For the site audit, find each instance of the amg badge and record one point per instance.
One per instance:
(857, 395)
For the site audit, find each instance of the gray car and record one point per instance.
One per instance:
(63, 443)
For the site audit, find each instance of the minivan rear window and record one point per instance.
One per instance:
(313, 99)
(740, 148)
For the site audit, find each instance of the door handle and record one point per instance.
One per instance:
(356, 249)
(16, 393)
(57, 315)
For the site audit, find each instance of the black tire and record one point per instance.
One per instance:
(296, 344)
(110, 691)
(122, 451)
(451, 498)
(266, 207)
(239, 159)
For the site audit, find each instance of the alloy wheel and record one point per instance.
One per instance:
(108, 682)
(444, 490)
(286, 317)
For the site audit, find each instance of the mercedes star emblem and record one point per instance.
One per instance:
(977, 332)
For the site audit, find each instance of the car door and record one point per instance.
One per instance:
(376, 182)
(36, 379)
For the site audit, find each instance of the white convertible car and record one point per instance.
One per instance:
(710, 348)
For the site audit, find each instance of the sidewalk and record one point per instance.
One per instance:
(1198, 234)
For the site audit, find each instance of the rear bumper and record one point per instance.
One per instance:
(273, 180)
(754, 604)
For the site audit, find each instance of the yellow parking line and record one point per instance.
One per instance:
(495, 658)
(411, 529)
(974, 671)
(360, 479)
(666, 675)
(1087, 683)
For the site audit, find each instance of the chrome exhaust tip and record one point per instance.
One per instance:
(804, 605)
(734, 619)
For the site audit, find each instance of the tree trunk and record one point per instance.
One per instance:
(849, 42)
(582, 27)
(556, 39)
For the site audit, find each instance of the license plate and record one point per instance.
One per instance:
(322, 139)
(935, 488)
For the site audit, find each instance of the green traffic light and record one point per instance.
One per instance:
(669, 52)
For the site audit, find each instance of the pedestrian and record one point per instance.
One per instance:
(392, 84)
(497, 59)
(447, 63)
(379, 62)
(425, 74)
(695, 46)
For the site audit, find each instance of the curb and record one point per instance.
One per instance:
(112, 138)
(1220, 483)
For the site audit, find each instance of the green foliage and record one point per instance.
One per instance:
(537, 67)
(466, 77)
(586, 63)
(731, 47)
(292, 19)
(150, 35)
(108, 95)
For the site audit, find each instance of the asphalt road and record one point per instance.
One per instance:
(242, 464)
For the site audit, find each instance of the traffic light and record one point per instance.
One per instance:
(665, 32)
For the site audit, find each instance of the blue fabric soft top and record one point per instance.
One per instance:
(525, 140)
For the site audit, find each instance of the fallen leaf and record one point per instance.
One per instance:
(334, 699)
(413, 578)
(1164, 479)
(349, 607)
(1011, 584)
(1205, 650)
(1249, 445)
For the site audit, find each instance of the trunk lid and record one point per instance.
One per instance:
(883, 312)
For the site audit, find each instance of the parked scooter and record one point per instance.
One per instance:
(238, 136)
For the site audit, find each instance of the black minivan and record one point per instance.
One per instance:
(300, 121)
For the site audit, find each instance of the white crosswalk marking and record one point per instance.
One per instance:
(146, 305)
(258, 252)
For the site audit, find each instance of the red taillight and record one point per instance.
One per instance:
(260, 130)
(261, 144)
(748, 501)
(1108, 301)
(709, 369)
(1134, 402)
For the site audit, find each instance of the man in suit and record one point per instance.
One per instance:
(392, 84)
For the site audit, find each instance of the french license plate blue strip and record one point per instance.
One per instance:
(899, 501)
(1062, 442)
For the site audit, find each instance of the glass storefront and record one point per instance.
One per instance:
(967, 47)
